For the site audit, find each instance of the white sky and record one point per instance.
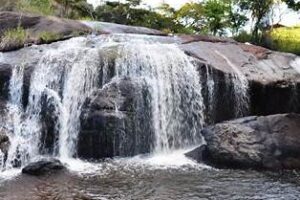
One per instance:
(289, 18)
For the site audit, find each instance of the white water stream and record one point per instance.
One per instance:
(67, 74)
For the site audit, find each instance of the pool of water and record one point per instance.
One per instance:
(150, 178)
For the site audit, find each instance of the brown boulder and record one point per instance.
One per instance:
(270, 142)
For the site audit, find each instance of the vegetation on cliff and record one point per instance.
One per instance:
(209, 17)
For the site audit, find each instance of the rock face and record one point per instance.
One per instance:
(271, 142)
(273, 78)
(5, 74)
(111, 125)
(4, 144)
(116, 122)
(107, 28)
(39, 29)
(42, 167)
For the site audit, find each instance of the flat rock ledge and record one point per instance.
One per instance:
(44, 166)
(268, 142)
(35, 29)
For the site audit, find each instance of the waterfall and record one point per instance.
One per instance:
(240, 88)
(176, 99)
(210, 93)
(68, 73)
(61, 80)
(19, 144)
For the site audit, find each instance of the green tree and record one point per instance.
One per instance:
(259, 10)
(236, 20)
(74, 8)
(129, 14)
(216, 14)
(294, 4)
(192, 16)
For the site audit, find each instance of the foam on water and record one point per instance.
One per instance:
(161, 161)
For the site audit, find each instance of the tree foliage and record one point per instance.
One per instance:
(294, 4)
(216, 17)
(258, 9)
(216, 13)
(127, 13)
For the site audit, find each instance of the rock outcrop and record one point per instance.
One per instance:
(109, 28)
(116, 122)
(271, 142)
(38, 29)
(42, 167)
(109, 119)
(273, 78)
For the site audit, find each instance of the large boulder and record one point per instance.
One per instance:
(270, 79)
(116, 121)
(39, 29)
(271, 142)
(43, 166)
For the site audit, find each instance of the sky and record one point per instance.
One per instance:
(288, 17)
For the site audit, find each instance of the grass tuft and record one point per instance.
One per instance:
(48, 36)
(13, 37)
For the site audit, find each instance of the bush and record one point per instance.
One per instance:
(285, 39)
(48, 36)
(243, 37)
(40, 7)
(13, 37)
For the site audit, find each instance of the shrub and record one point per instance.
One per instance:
(243, 37)
(285, 39)
(13, 37)
(48, 36)
(40, 7)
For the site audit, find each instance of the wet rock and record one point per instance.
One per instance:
(116, 122)
(107, 28)
(42, 167)
(271, 142)
(5, 74)
(273, 78)
(199, 154)
(4, 144)
(39, 29)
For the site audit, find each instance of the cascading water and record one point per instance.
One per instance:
(211, 94)
(66, 75)
(176, 100)
(240, 88)
(14, 117)
(62, 80)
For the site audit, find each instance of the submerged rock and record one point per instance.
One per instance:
(42, 167)
(271, 142)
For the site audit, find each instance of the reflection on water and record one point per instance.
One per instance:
(130, 179)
